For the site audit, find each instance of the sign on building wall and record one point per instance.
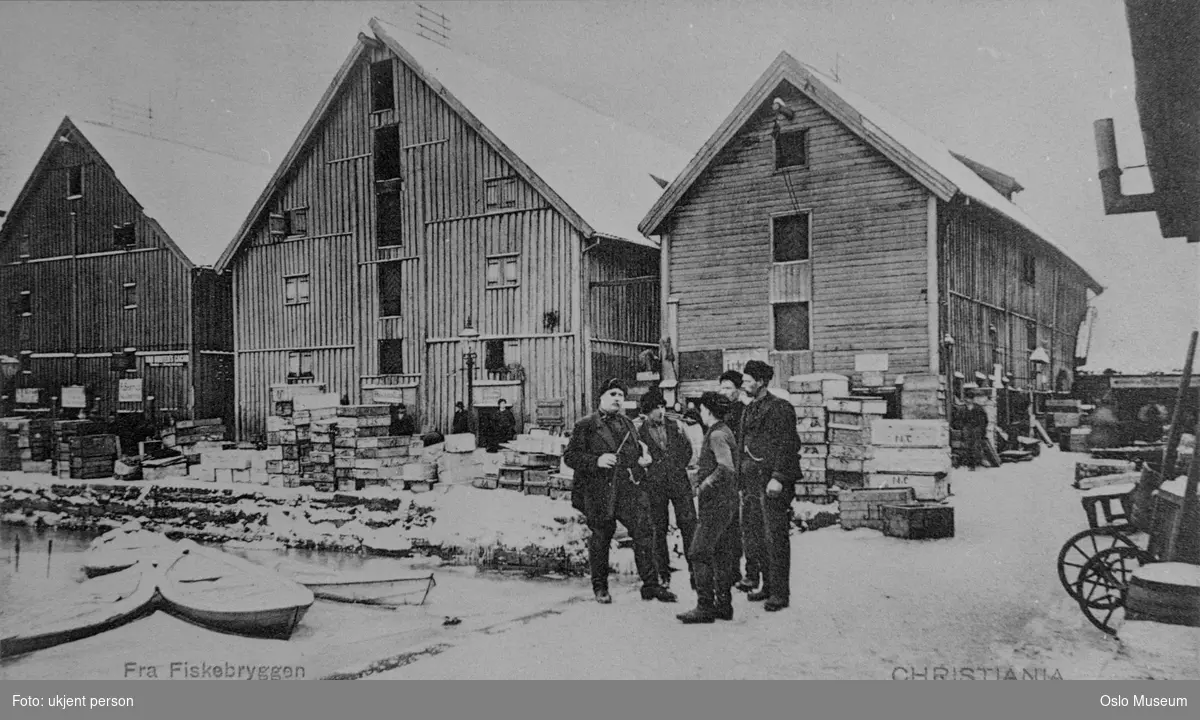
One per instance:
(129, 390)
(737, 359)
(871, 362)
(28, 396)
(74, 396)
(388, 396)
(167, 360)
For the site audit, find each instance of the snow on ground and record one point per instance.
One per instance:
(863, 606)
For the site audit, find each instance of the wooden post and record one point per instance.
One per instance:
(1185, 547)
(1171, 452)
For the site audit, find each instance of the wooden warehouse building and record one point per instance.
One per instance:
(434, 206)
(106, 264)
(817, 232)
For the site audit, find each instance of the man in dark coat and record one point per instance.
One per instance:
(975, 424)
(609, 464)
(503, 426)
(769, 468)
(711, 555)
(462, 421)
(402, 422)
(731, 389)
(667, 480)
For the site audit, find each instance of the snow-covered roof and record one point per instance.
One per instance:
(926, 159)
(198, 197)
(599, 166)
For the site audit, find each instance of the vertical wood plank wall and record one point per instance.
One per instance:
(866, 278)
(76, 278)
(448, 233)
(986, 288)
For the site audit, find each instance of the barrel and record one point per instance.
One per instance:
(1166, 593)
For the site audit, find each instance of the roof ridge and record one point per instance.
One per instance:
(169, 141)
(534, 82)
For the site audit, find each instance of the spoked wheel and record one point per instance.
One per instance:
(1103, 583)
(1081, 548)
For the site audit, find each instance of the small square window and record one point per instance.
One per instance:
(391, 357)
(23, 245)
(278, 226)
(129, 295)
(501, 193)
(75, 182)
(383, 91)
(503, 272)
(789, 237)
(791, 149)
(791, 326)
(295, 290)
(297, 222)
(300, 364)
(124, 236)
(493, 358)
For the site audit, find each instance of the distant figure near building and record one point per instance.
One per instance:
(462, 420)
(503, 426)
(610, 465)
(975, 425)
(402, 423)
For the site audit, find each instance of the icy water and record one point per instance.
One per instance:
(333, 637)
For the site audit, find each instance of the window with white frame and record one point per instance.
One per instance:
(295, 290)
(75, 182)
(503, 271)
(300, 364)
(24, 303)
(129, 295)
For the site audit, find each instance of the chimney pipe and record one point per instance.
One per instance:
(1110, 175)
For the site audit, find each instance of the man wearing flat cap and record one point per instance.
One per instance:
(769, 468)
(609, 463)
(667, 479)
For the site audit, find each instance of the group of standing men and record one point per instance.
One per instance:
(747, 469)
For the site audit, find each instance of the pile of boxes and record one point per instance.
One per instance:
(808, 395)
(850, 461)
(10, 451)
(35, 444)
(532, 465)
(93, 457)
(869, 451)
(366, 455)
(191, 437)
(63, 432)
(285, 448)
(923, 397)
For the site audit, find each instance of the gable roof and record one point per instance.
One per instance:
(591, 168)
(925, 159)
(600, 168)
(196, 196)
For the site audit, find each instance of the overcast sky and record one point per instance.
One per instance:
(1015, 85)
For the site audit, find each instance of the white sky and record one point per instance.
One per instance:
(1015, 85)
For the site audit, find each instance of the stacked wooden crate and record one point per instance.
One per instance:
(528, 461)
(808, 395)
(191, 437)
(923, 397)
(315, 418)
(849, 423)
(93, 456)
(563, 481)
(283, 449)
(910, 453)
(62, 432)
(35, 443)
(364, 453)
(863, 507)
(10, 449)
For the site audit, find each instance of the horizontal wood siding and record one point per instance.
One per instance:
(986, 288)
(866, 277)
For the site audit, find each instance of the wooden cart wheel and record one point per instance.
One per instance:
(1103, 584)
(1081, 548)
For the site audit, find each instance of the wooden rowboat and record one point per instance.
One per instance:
(121, 548)
(93, 607)
(377, 589)
(226, 593)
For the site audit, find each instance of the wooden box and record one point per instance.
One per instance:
(537, 477)
(862, 508)
(827, 384)
(460, 443)
(95, 446)
(543, 490)
(814, 451)
(362, 411)
(512, 478)
(487, 482)
(865, 405)
(1066, 420)
(925, 486)
(812, 437)
(807, 400)
(845, 479)
(918, 522)
(910, 433)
